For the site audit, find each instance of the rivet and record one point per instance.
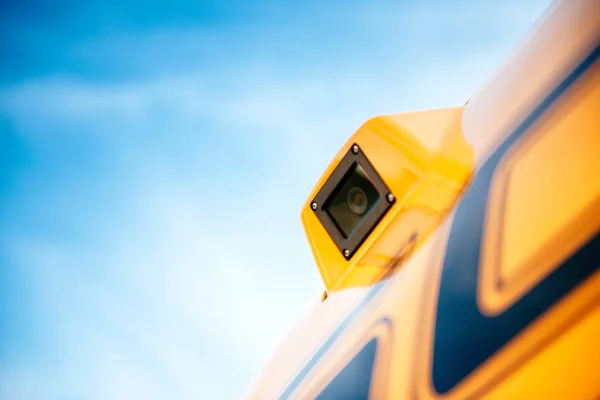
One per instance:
(390, 197)
(313, 205)
(346, 253)
(355, 149)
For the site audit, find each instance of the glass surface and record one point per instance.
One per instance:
(351, 200)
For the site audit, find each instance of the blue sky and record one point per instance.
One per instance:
(153, 161)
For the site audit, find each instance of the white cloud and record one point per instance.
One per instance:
(177, 294)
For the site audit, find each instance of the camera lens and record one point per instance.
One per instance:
(357, 200)
(351, 200)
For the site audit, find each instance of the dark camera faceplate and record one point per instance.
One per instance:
(349, 235)
(352, 200)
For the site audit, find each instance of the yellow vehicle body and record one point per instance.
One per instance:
(482, 278)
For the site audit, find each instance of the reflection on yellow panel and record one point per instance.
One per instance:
(545, 199)
(545, 376)
(557, 178)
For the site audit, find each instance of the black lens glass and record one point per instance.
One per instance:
(351, 200)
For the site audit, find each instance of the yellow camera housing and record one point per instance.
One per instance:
(417, 163)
